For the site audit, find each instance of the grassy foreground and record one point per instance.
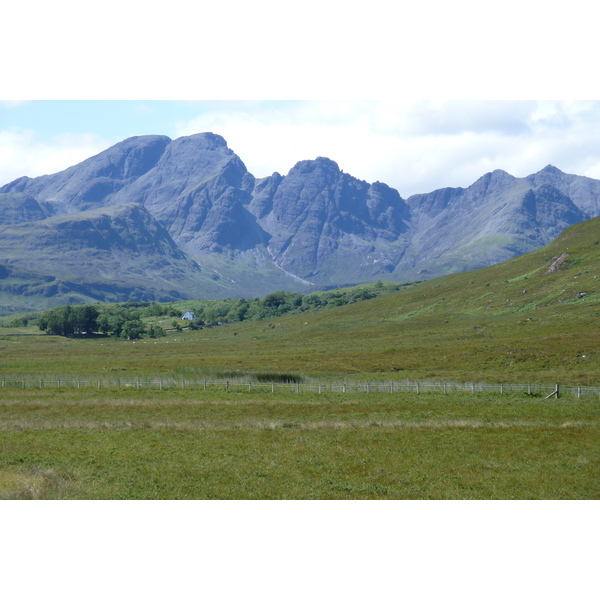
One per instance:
(132, 444)
(533, 319)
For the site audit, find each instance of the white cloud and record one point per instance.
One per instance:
(414, 146)
(21, 153)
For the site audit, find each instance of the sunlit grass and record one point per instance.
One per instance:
(191, 444)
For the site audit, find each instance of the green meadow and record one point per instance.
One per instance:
(532, 320)
(255, 445)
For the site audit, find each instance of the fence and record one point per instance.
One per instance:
(240, 384)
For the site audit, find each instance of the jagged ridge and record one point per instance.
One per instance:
(198, 205)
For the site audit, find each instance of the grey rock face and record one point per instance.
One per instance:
(317, 213)
(546, 212)
(198, 190)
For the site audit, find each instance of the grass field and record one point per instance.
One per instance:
(253, 445)
(533, 319)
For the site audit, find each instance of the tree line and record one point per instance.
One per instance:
(276, 304)
(124, 320)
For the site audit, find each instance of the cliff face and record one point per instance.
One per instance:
(323, 222)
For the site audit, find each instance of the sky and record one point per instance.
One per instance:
(414, 146)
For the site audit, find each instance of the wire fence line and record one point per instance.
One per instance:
(241, 384)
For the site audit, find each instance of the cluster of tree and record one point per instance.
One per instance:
(117, 320)
(154, 309)
(19, 322)
(69, 320)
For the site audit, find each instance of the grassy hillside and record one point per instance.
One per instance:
(534, 317)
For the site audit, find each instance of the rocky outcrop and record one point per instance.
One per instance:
(583, 191)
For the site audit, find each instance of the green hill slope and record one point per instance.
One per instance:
(534, 317)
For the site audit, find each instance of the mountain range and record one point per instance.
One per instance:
(158, 219)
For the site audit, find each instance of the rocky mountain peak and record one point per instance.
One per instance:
(206, 140)
(550, 169)
(318, 165)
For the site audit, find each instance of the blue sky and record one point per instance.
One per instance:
(111, 120)
(413, 145)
